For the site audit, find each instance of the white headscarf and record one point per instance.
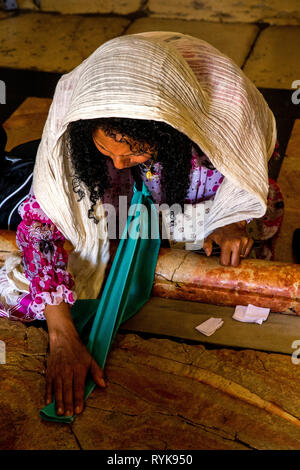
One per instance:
(162, 76)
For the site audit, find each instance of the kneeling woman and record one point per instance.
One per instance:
(164, 107)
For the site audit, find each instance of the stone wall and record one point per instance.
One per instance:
(120, 7)
(233, 11)
(249, 11)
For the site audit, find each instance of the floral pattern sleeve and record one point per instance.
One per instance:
(44, 259)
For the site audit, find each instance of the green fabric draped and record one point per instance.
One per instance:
(127, 288)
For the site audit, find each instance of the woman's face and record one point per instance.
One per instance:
(120, 152)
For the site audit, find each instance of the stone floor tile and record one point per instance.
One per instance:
(7, 244)
(28, 5)
(27, 122)
(234, 40)
(248, 11)
(125, 7)
(274, 62)
(54, 43)
(6, 14)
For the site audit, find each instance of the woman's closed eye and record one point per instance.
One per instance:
(138, 154)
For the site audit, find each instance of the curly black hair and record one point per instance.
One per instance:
(173, 150)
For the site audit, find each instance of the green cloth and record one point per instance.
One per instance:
(127, 288)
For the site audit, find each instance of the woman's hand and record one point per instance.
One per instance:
(68, 363)
(233, 241)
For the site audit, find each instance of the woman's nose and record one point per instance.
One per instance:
(119, 164)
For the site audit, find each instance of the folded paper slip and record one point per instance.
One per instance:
(127, 288)
(209, 326)
(251, 314)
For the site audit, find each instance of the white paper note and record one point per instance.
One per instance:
(239, 313)
(209, 326)
(251, 314)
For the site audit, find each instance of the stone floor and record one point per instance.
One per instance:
(72, 40)
(229, 11)
(162, 393)
(27, 122)
(269, 65)
(24, 42)
(222, 36)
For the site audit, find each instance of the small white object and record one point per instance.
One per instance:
(251, 314)
(239, 313)
(2, 352)
(209, 326)
(257, 314)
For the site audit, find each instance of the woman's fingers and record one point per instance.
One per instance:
(233, 241)
(208, 246)
(48, 395)
(69, 389)
(68, 393)
(231, 251)
(79, 383)
(236, 252)
(97, 374)
(248, 247)
(68, 366)
(58, 391)
(225, 257)
(244, 243)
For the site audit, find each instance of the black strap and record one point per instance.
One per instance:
(3, 140)
(136, 174)
(296, 245)
(26, 151)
